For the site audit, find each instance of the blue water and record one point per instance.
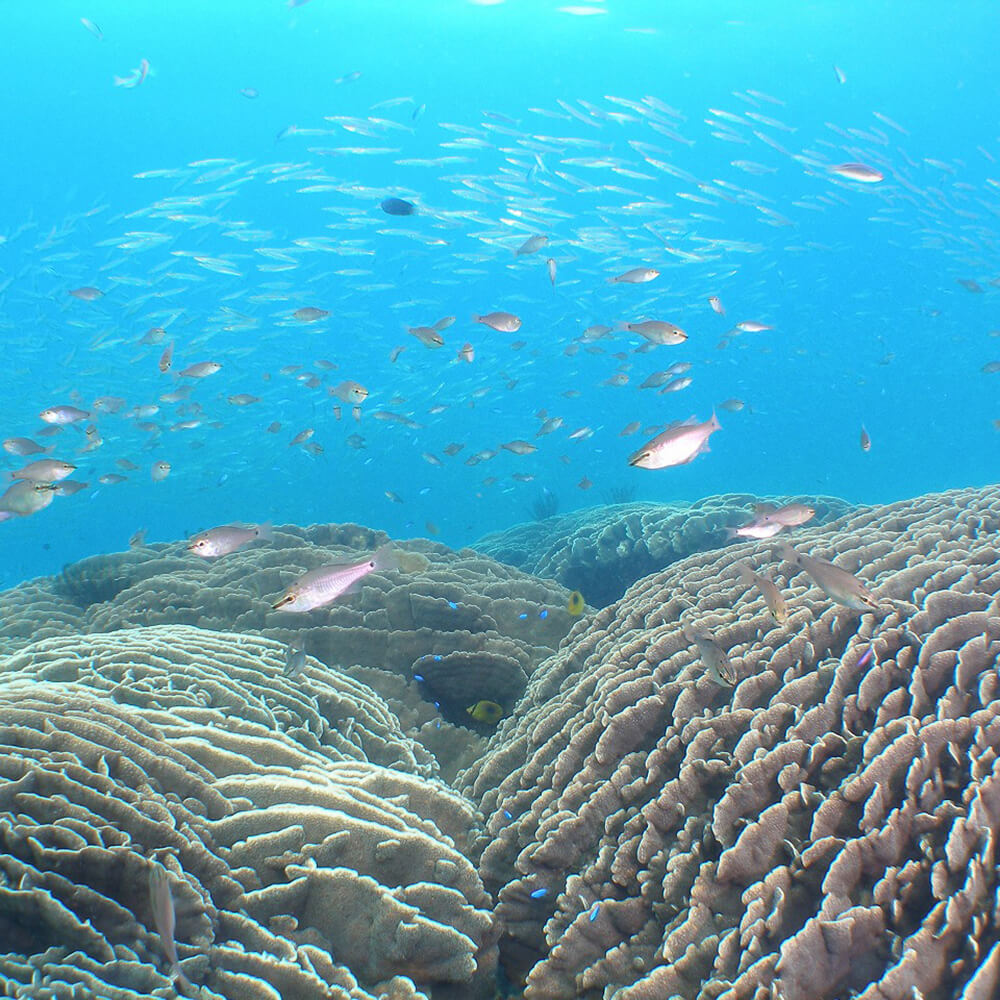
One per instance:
(860, 283)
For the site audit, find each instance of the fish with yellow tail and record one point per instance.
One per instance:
(324, 585)
(836, 583)
(576, 604)
(679, 444)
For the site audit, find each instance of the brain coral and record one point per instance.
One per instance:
(309, 855)
(601, 551)
(826, 829)
(442, 609)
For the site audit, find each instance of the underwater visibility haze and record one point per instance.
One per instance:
(401, 405)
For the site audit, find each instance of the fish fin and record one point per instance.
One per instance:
(760, 509)
(265, 532)
(746, 573)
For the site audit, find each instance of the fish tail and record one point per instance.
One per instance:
(386, 558)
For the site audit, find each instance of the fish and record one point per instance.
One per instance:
(678, 444)
(322, 586)
(44, 470)
(87, 293)
(502, 322)
(519, 447)
(92, 28)
(768, 590)
(200, 370)
(25, 497)
(550, 266)
(397, 206)
(865, 440)
(135, 77)
(467, 353)
(715, 659)
(160, 471)
(635, 276)
(242, 399)
(295, 661)
(859, 172)
(228, 538)
(658, 332)
(164, 917)
(250, 92)
(64, 414)
(531, 245)
(755, 529)
(487, 712)
(752, 326)
(138, 539)
(310, 314)
(575, 605)
(789, 515)
(430, 336)
(22, 447)
(350, 392)
(166, 358)
(836, 583)
(716, 303)
(732, 405)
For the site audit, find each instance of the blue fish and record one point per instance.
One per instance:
(398, 206)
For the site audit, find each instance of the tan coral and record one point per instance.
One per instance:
(826, 827)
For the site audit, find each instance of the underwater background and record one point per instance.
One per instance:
(859, 283)
(405, 409)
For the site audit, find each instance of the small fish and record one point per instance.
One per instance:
(166, 358)
(350, 392)
(576, 604)
(295, 661)
(679, 444)
(138, 539)
(550, 266)
(160, 471)
(62, 415)
(859, 172)
(531, 245)
(135, 77)
(467, 353)
(228, 538)
(716, 303)
(162, 904)
(519, 447)
(755, 529)
(836, 583)
(324, 585)
(25, 497)
(68, 487)
(658, 332)
(310, 314)
(840, 74)
(86, 294)
(430, 336)
(22, 447)
(865, 440)
(635, 276)
(44, 470)
(502, 322)
(242, 399)
(487, 712)
(713, 656)
(397, 206)
(789, 515)
(768, 590)
(732, 405)
(92, 28)
(250, 92)
(752, 326)
(200, 370)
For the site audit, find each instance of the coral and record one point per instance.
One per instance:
(497, 621)
(601, 551)
(299, 867)
(825, 829)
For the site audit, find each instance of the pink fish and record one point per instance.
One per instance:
(325, 584)
(677, 445)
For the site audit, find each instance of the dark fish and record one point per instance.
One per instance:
(398, 206)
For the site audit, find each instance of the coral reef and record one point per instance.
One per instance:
(601, 551)
(825, 829)
(299, 867)
(499, 623)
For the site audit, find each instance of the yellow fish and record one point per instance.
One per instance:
(575, 604)
(486, 711)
